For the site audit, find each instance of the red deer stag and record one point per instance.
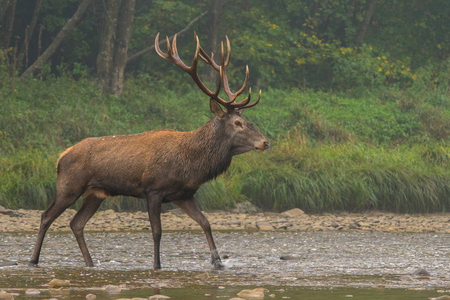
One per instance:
(159, 165)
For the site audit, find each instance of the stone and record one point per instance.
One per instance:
(289, 257)
(443, 297)
(32, 292)
(264, 226)
(334, 224)
(157, 297)
(58, 283)
(353, 226)
(245, 207)
(255, 293)
(91, 296)
(202, 276)
(294, 213)
(9, 212)
(421, 272)
(5, 295)
(8, 263)
(113, 289)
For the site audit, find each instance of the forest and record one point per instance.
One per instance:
(355, 95)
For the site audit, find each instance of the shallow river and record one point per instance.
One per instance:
(295, 265)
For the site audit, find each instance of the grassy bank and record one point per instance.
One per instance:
(388, 150)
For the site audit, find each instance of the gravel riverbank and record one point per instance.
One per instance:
(293, 220)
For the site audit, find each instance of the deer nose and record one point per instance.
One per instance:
(266, 145)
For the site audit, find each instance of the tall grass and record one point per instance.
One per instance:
(347, 177)
(329, 152)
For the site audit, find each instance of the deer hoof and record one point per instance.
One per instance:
(32, 264)
(218, 265)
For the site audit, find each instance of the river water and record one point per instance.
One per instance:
(291, 265)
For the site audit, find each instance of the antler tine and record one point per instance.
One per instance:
(168, 44)
(252, 104)
(230, 105)
(158, 50)
(228, 52)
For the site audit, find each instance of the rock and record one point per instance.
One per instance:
(5, 295)
(255, 293)
(202, 276)
(294, 213)
(353, 226)
(289, 257)
(245, 208)
(157, 297)
(113, 289)
(8, 263)
(91, 296)
(334, 224)
(422, 272)
(443, 297)
(264, 226)
(58, 283)
(9, 212)
(32, 292)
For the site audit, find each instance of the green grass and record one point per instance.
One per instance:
(387, 150)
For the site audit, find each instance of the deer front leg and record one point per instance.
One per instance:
(191, 209)
(154, 202)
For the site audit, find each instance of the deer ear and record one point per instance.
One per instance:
(216, 109)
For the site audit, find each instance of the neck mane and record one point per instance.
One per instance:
(210, 150)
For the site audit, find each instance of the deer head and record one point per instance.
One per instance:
(243, 135)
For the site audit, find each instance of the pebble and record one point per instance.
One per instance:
(5, 295)
(422, 272)
(255, 293)
(32, 292)
(294, 213)
(264, 226)
(58, 283)
(289, 257)
(91, 296)
(113, 289)
(157, 297)
(292, 220)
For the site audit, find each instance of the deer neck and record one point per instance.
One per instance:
(211, 149)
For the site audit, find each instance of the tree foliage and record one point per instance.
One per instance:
(337, 44)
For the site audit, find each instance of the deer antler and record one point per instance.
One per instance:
(231, 104)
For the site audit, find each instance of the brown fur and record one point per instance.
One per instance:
(160, 166)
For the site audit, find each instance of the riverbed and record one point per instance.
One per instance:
(296, 265)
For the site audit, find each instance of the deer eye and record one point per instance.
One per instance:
(238, 123)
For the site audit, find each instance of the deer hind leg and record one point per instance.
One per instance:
(191, 209)
(61, 203)
(90, 205)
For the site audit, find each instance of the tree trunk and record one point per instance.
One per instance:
(8, 14)
(121, 46)
(105, 55)
(3, 8)
(30, 30)
(365, 23)
(162, 42)
(215, 9)
(58, 39)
